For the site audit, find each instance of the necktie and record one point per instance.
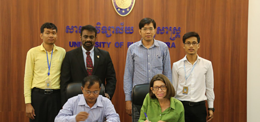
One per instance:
(89, 64)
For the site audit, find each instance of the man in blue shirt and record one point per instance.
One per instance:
(145, 59)
(89, 106)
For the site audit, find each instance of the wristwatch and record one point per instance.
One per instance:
(213, 109)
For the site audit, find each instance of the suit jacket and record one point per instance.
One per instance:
(73, 69)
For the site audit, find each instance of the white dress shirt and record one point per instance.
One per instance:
(103, 110)
(200, 80)
(85, 55)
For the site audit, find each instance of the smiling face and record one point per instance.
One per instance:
(147, 32)
(88, 39)
(49, 36)
(191, 46)
(159, 89)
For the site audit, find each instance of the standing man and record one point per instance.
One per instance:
(42, 77)
(193, 81)
(85, 61)
(145, 59)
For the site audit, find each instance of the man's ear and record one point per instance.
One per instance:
(81, 88)
(41, 36)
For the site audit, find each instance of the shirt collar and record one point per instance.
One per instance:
(82, 101)
(84, 50)
(43, 49)
(155, 43)
(185, 58)
(172, 101)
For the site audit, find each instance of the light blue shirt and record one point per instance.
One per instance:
(103, 110)
(85, 55)
(142, 64)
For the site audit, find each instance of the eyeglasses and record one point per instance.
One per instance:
(145, 29)
(163, 88)
(189, 44)
(89, 92)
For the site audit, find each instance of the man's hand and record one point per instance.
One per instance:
(107, 95)
(29, 111)
(210, 116)
(81, 116)
(128, 107)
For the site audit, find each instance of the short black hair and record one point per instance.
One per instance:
(48, 25)
(91, 79)
(145, 21)
(89, 28)
(190, 34)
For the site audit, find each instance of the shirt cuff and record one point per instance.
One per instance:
(210, 104)
(27, 100)
(128, 97)
(72, 118)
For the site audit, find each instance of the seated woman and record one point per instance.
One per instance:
(159, 104)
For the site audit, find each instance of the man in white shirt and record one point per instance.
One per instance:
(193, 81)
(89, 106)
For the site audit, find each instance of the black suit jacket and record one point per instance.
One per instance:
(73, 69)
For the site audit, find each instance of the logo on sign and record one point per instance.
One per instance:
(123, 7)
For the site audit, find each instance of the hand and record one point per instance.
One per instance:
(81, 116)
(29, 111)
(107, 95)
(128, 107)
(210, 116)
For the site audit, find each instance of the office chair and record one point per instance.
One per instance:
(73, 89)
(138, 94)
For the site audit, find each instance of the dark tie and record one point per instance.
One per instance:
(89, 64)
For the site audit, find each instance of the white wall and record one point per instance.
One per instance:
(253, 62)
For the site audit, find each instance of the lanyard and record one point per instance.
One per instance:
(186, 77)
(49, 65)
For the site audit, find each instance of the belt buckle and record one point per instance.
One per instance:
(48, 91)
(191, 104)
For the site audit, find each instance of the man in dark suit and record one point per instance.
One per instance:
(87, 60)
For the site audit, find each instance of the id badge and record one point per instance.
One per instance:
(185, 90)
(48, 84)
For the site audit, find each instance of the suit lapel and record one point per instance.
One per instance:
(80, 58)
(96, 59)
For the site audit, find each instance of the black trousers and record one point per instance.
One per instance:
(195, 111)
(135, 113)
(46, 105)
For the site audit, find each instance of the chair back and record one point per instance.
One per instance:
(138, 94)
(73, 89)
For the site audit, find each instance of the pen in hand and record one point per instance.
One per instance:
(146, 116)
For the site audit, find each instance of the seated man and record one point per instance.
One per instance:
(159, 104)
(89, 106)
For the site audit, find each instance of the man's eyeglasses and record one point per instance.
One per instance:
(189, 44)
(150, 29)
(163, 88)
(89, 92)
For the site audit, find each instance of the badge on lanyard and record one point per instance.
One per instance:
(48, 82)
(185, 90)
